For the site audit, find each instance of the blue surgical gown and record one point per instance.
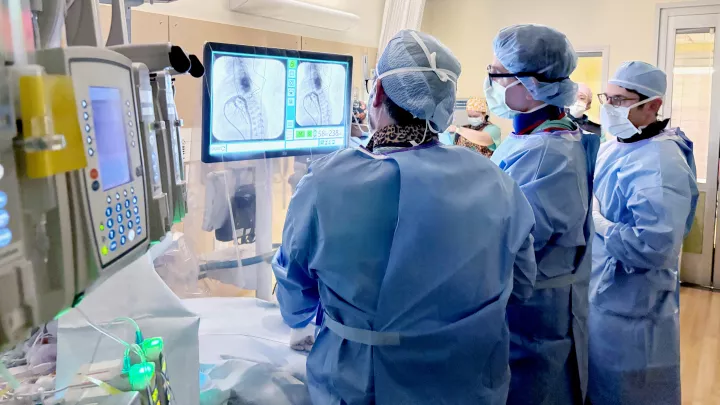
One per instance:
(548, 347)
(648, 190)
(406, 243)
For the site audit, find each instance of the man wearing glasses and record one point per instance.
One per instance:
(553, 162)
(645, 199)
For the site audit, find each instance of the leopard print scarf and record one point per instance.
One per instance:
(483, 150)
(395, 137)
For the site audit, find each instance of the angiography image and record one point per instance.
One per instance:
(248, 98)
(321, 94)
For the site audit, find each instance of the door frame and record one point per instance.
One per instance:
(604, 52)
(664, 54)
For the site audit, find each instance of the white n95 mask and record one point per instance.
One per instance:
(615, 121)
(578, 109)
(495, 95)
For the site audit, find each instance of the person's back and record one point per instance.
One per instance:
(552, 161)
(412, 276)
(421, 272)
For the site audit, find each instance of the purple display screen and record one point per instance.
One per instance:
(110, 136)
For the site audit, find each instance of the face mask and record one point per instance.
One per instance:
(495, 95)
(475, 121)
(578, 109)
(615, 121)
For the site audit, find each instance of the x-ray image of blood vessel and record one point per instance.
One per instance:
(248, 98)
(321, 94)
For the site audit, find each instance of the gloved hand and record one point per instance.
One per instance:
(602, 224)
(302, 339)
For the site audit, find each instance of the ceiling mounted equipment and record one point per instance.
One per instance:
(298, 12)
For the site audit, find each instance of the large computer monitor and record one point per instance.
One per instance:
(265, 102)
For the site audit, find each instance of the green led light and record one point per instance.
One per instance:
(102, 227)
(104, 250)
(140, 375)
(152, 348)
(61, 313)
(155, 242)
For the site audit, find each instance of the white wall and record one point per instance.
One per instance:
(366, 33)
(626, 27)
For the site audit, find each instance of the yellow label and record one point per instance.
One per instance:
(47, 109)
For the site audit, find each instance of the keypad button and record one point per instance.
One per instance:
(125, 193)
(127, 203)
(84, 104)
(87, 127)
(86, 116)
(111, 234)
(109, 223)
(3, 199)
(109, 199)
(139, 230)
(136, 209)
(108, 212)
(131, 235)
(91, 152)
(118, 207)
(4, 218)
(113, 246)
(95, 185)
(128, 214)
(137, 220)
(123, 240)
(119, 218)
(89, 140)
(134, 200)
(5, 237)
(117, 196)
(93, 174)
(121, 229)
(130, 224)
(132, 190)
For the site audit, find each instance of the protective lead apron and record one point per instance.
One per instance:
(439, 334)
(573, 370)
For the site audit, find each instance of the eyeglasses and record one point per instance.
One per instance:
(615, 101)
(537, 76)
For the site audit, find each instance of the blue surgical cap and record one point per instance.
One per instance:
(425, 93)
(642, 77)
(543, 51)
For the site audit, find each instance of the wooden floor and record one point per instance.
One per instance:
(700, 346)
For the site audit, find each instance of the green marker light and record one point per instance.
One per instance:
(102, 227)
(140, 375)
(61, 313)
(152, 347)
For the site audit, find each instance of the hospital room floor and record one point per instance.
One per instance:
(700, 346)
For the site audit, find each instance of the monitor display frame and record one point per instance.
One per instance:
(111, 141)
(212, 48)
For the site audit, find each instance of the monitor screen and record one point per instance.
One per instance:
(111, 146)
(263, 102)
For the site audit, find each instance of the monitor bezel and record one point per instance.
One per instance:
(211, 47)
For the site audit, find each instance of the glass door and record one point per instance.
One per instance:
(690, 54)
